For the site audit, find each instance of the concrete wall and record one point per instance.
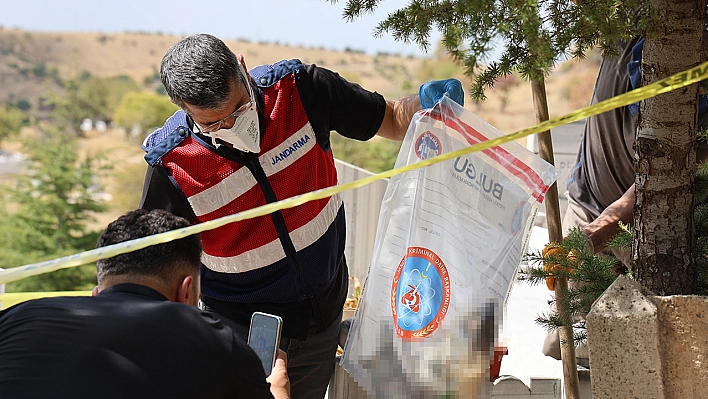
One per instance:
(362, 207)
(566, 143)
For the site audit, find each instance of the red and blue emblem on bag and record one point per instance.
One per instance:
(427, 146)
(420, 293)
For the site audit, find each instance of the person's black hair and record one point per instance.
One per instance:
(198, 71)
(161, 260)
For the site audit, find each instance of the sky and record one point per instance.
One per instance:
(308, 23)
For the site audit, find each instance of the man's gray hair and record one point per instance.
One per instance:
(198, 70)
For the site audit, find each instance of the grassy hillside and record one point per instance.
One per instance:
(31, 62)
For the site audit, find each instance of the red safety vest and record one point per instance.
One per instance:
(248, 261)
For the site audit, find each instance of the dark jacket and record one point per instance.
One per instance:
(127, 342)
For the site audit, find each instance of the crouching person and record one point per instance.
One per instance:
(140, 336)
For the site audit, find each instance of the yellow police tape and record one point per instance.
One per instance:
(679, 80)
(13, 298)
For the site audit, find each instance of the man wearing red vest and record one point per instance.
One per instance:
(245, 139)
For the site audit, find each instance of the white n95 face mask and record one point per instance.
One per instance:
(245, 134)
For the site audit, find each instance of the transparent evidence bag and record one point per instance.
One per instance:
(450, 238)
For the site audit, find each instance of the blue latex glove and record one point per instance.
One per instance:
(431, 92)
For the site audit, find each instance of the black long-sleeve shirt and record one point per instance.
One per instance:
(127, 342)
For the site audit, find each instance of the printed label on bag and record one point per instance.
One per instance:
(420, 294)
(427, 146)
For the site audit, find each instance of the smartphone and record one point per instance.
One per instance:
(264, 338)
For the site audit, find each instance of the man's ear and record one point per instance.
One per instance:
(186, 293)
(94, 292)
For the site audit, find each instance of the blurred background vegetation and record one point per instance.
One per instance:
(75, 107)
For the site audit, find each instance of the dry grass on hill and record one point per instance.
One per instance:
(138, 56)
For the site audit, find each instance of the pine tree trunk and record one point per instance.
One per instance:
(664, 243)
(555, 234)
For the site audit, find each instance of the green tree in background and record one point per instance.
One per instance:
(72, 105)
(143, 110)
(92, 93)
(11, 121)
(106, 94)
(118, 87)
(534, 35)
(90, 97)
(46, 211)
(376, 155)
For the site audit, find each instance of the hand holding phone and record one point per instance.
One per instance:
(264, 338)
(278, 378)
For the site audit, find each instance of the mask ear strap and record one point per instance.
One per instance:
(247, 81)
(213, 140)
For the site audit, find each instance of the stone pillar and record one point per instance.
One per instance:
(684, 331)
(624, 344)
(645, 346)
